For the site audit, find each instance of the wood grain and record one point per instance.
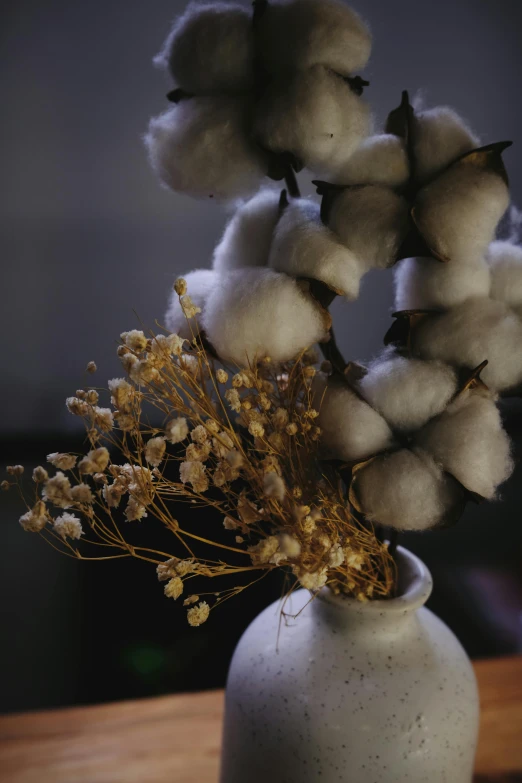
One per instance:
(176, 739)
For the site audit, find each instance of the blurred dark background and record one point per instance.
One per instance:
(89, 240)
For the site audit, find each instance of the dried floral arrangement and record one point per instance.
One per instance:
(312, 467)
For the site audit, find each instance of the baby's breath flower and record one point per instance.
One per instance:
(311, 580)
(264, 402)
(276, 441)
(221, 376)
(197, 615)
(103, 418)
(68, 526)
(95, 461)
(135, 340)
(237, 380)
(189, 308)
(195, 453)
(354, 560)
(122, 393)
(256, 429)
(5, 485)
(180, 286)
(291, 429)
(129, 362)
(34, 520)
(77, 407)
(176, 430)
(62, 461)
(234, 459)
(230, 524)
(192, 599)
(134, 510)
(125, 421)
(199, 434)
(193, 472)
(91, 367)
(166, 345)
(239, 540)
(336, 556)
(15, 470)
(184, 567)
(174, 588)
(57, 490)
(100, 478)
(274, 486)
(308, 525)
(247, 511)
(222, 444)
(212, 426)
(155, 450)
(167, 569)
(143, 372)
(92, 396)
(81, 493)
(270, 464)
(233, 399)
(189, 363)
(264, 550)
(112, 493)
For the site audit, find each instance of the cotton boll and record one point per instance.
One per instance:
(314, 115)
(426, 283)
(408, 392)
(254, 313)
(202, 147)
(371, 222)
(468, 334)
(440, 137)
(505, 261)
(350, 429)
(468, 441)
(304, 247)
(210, 49)
(297, 34)
(379, 160)
(405, 490)
(458, 213)
(199, 285)
(248, 236)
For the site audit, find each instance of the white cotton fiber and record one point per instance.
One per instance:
(426, 283)
(408, 392)
(248, 236)
(505, 261)
(468, 441)
(458, 213)
(468, 334)
(350, 429)
(304, 247)
(372, 222)
(200, 283)
(405, 490)
(202, 147)
(254, 313)
(440, 137)
(297, 34)
(379, 160)
(210, 49)
(313, 115)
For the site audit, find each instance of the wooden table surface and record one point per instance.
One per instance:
(176, 739)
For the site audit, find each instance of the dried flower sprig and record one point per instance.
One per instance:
(242, 441)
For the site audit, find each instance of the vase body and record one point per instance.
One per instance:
(380, 692)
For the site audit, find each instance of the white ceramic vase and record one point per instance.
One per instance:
(380, 692)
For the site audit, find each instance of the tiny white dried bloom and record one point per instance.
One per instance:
(173, 588)
(81, 493)
(195, 453)
(230, 524)
(274, 486)
(221, 376)
(289, 545)
(192, 599)
(40, 474)
(336, 556)
(77, 407)
(57, 490)
(103, 418)
(112, 493)
(135, 340)
(62, 461)
(35, 519)
(234, 459)
(188, 306)
(143, 371)
(193, 472)
(155, 450)
(239, 540)
(122, 393)
(135, 510)
(184, 567)
(91, 367)
(92, 396)
(312, 581)
(166, 570)
(95, 461)
(256, 429)
(189, 363)
(129, 361)
(198, 614)
(4, 486)
(233, 399)
(265, 550)
(176, 430)
(291, 429)
(68, 526)
(180, 286)
(125, 421)
(354, 560)
(237, 380)
(222, 444)
(166, 345)
(199, 434)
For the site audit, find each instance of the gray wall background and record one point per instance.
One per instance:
(88, 236)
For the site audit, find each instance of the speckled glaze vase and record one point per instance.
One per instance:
(380, 692)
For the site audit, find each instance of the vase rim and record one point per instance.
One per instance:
(415, 584)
